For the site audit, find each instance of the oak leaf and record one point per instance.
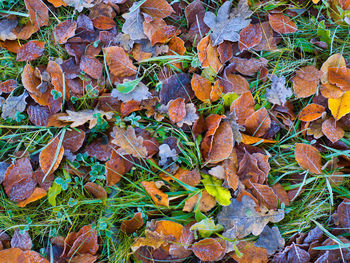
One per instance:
(308, 157)
(278, 93)
(133, 25)
(81, 117)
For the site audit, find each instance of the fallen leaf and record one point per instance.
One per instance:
(271, 240)
(152, 239)
(340, 106)
(330, 129)
(119, 63)
(79, 118)
(38, 115)
(192, 178)
(132, 225)
(251, 253)
(157, 8)
(311, 112)
(73, 140)
(129, 142)
(180, 249)
(248, 67)
(39, 176)
(208, 249)
(339, 77)
(282, 24)
(194, 13)
(38, 12)
(208, 54)
(306, 81)
(308, 157)
(191, 115)
(166, 154)
(344, 214)
(14, 104)
(334, 61)
(265, 195)
(116, 167)
(176, 86)
(268, 41)
(206, 227)
(51, 156)
(176, 46)
(139, 93)
(91, 66)
(79, 5)
(36, 195)
(249, 37)
(103, 22)
(96, 190)
(16, 255)
(214, 188)
(21, 240)
(281, 193)
(278, 93)
(86, 258)
(8, 86)
(331, 91)
(57, 3)
(247, 139)
(243, 107)
(6, 29)
(258, 123)
(177, 110)
(225, 50)
(158, 31)
(205, 204)
(158, 197)
(227, 23)
(292, 253)
(133, 25)
(241, 218)
(201, 87)
(64, 30)
(234, 82)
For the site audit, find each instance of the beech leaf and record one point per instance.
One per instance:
(207, 227)
(131, 90)
(214, 188)
(271, 239)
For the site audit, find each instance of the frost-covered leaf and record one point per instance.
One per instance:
(21, 240)
(14, 104)
(191, 115)
(206, 227)
(278, 93)
(137, 92)
(241, 218)
(6, 27)
(227, 24)
(133, 25)
(125, 41)
(166, 153)
(3, 168)
(81, 117)
(79, 5)
(218, 172)
(271, 239)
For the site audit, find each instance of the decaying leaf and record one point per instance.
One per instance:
(176, 86)
(292, 253)
(157, 31)
(165, 153)
(308, 157)
(258, 123)
(129, 142)
(249, 37)
(208, 249)
(206, 203)
(38, 12)
(16, 255)
(194, 13)
(339, 77)
(251, 253)
(208, 54)
(96, 190)
(81, 117)
(157, 195)
(14, 104)
(241, 218)
(282, 24)
(116, 167)
(344, 214)
(21, 240)
(334, 61)
(51, 156)
(36, 195)
(133, 25)
(130, 226)
(79, 5)
(206, 227)
(91, 66)
(6, 28)
(265, 195)
(8, 86)
(278, 93)
(227, 23)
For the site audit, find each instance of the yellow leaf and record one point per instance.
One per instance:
(315, 1)
(341, 106)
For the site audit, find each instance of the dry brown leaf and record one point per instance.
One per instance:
(129, 142)
(157, 8)
(64, 30)
(116, 167)
(268, 41)
(119, 63)
(21, 240)
(38, 115)
(96, 190)
(103, 22)
(258, 123)
(282, 24)
(158, 31)
(339, 77)
(247, 139)
(243, 107)
(208, 249)
(176, 46)
(225, 51)
(48, 160)
(265, 195)
(334, 61)
(191, 178)
(251, 253)
(81, 117)
(311, 112)
(281, 193)
(177, 110)
(36, 195)
(331, 91)
(330, 129)
(16, 255)
(308, 157)
(38, 12)
(73, 140)
(305, 82)
(158, 197)
(31, 51)
(208, 55)
(250, 36)
(8, 86)
(91, 66)
(206, 203)
(130, 226)
(201, 87)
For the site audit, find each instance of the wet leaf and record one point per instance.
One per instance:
(308, 157)
(21, 240)
(36, 195)
(205, 204)
(206, 227)
(340, 106)
(14, 104)
(129, 142)
(38, 12)
(282, 24)
(271, 239)
(79, 118)
(227, 23)
(130, 226)
(51, 156)
(278, 93)
(96, 190)
(311, 112)
(158, 197)
(330, 129)
(208, 249)
(249, 37)
(119, 63)
(64, 30)
(306, 81)
(241, 218)
(251, 253)
(214, 188)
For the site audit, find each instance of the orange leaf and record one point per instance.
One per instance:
(30, 51)
(103, 22)
(247, 139)
(157, 8)
(47, 158)
(158, 197)
(96, 190)
(201, 87)
(65, 30)
(250, 37)
(130, 226)
(16, 255)
(208, 55)
(168, 228)
(281, 193)
(176, 46)
(243, 107)
(177, 110)
(282, 24)
(116, 167)
(306, 81)
(208, 249)
(73, 140)
(206, 203)
(333, 132)
(331, 91)
(36, 195)
(91, 66)
(8, 86)
(57, 3)
(10, 45)
(265, 195)
(120, 65)
(158, 31)
(251, 253)
(308, 157)
(334, 61)
(38, 12)
(192, 178)
(340, 77)
(311, 112)
(216, 91)
(258, 123)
